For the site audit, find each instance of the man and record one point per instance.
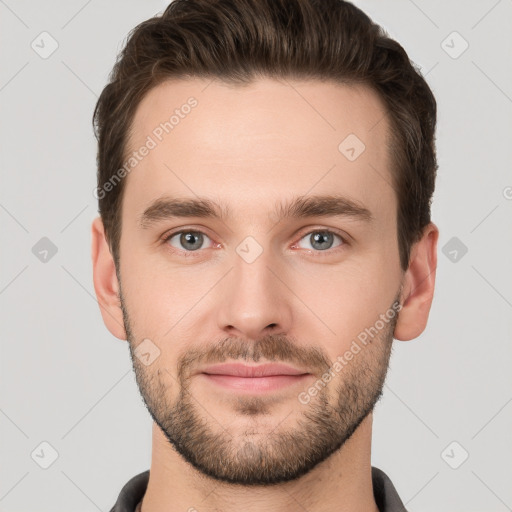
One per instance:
(265, 173)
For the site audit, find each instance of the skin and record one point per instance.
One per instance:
(250, 148)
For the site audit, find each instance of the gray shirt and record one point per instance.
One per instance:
(386, 497)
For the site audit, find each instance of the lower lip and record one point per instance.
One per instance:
(255, 384)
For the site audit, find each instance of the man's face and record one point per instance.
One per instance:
(254, 287)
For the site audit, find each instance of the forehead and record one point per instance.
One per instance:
(257, 142)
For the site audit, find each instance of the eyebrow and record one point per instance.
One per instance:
(299, 207)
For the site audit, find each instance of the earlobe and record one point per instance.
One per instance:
(418, 286)
(105, 280)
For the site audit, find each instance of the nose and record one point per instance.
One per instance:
(254, 302)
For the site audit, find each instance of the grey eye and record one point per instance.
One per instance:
(188, 240)
(321, 240)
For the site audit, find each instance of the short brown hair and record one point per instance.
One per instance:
(238, 41)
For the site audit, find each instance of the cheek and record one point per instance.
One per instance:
(148, 293)
(348, 298)
(159, 295)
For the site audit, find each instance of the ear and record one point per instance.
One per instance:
(418, 286)
(105, 280)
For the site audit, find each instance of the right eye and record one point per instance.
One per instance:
(186, 240)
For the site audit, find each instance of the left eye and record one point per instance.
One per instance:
(191, 241)
(321, 240)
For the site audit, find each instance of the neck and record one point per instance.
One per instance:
(343, 482)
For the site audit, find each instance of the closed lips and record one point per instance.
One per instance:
(241, 370)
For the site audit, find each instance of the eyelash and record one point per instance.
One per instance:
(188, 254)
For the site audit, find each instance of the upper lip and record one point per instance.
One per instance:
(242, 370)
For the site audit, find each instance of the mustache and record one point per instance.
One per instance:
(271, 348)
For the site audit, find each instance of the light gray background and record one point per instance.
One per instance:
(66, 381)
